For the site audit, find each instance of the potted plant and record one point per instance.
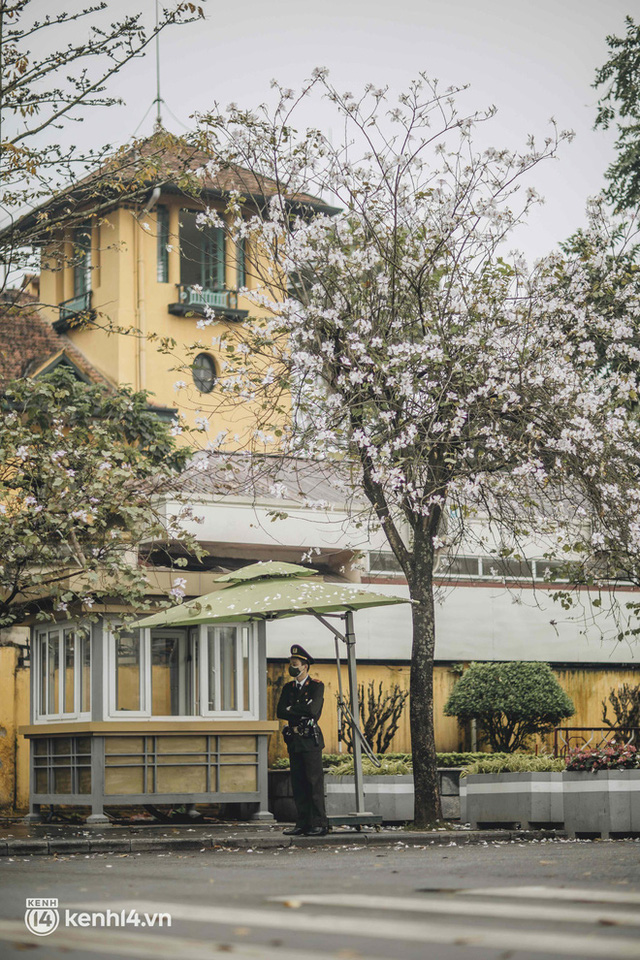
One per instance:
(601, 790)
(513, 789)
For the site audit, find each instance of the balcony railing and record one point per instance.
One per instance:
(75, 307)
(193, 299)
(226, 299)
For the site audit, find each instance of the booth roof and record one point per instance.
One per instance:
(266, 591)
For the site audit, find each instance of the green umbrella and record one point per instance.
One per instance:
(266, 591)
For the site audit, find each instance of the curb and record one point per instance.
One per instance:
(61, 846)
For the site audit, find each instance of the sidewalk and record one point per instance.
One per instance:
(18, 840)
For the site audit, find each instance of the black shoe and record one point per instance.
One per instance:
(317, 832)
(295, 832)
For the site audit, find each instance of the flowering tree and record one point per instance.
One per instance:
(80, 469)
(409, 345)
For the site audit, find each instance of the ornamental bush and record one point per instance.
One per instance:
(613, 756)
(515, 763)
(510, 702)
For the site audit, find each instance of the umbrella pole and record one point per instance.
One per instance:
(350, 639)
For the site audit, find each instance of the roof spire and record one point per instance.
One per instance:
(158, 99)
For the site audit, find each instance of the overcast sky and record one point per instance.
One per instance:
(533, 59)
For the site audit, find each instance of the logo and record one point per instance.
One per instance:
(41, 916)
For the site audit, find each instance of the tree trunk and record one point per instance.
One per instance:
(423, 746)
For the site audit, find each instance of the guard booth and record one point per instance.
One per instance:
(175, 710)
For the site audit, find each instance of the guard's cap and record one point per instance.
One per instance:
(301, 653)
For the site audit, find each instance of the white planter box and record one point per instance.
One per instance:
(605, 803)
(530, 799)
(390, 797)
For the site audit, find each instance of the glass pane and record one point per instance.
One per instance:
(124, 745)
(53, 678)
(85, 674)
(41, 746)
(182, 779)
(213, 695)
(193, 664)
(83, 746)
(128, 671)
(181, 745)
(68, 678)
(383, 561)
(61, 746)
(228, 668)
(507, 567)
(163, 240)
(240, 779)
(62, 780)
(241, 254)
(84, 780)
(42, 781)
(82, 260)
(168, 676)
(234, 744)
(458, 567)
(246, 686)
(42, 673)
(124, 780)
(201, 253)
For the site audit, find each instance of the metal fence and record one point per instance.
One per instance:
(574, 738)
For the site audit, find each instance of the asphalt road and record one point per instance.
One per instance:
(500, 901)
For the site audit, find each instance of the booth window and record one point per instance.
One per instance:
(63, 680)
(182, 662)
(128, 675)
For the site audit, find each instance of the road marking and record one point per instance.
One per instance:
(294, 921)
(548, 893)
(145, 946)
(444, 905)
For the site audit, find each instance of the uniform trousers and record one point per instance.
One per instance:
(307, 784)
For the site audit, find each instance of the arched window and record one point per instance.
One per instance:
(204, 373)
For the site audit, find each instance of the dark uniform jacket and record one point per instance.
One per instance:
(299, 703)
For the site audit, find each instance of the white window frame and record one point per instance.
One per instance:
(250, 711)
(41, 678)
(110, 676)
(200, 710)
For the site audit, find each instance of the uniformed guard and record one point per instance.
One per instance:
(300, 705)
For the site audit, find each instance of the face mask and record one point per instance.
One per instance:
(294, 671)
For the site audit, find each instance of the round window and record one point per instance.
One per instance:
(204, 373)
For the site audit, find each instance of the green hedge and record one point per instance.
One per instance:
(393, 764)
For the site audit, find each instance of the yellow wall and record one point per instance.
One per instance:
(127, 295)
(14, 749)
(588, 687)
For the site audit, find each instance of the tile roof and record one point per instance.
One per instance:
(128, 174)
(29, 344)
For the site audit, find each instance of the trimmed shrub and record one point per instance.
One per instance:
(510, 702)
(515, 763)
